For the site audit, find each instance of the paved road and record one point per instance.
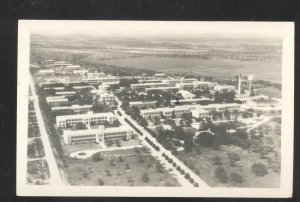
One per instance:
(158, 154)
(55, 178)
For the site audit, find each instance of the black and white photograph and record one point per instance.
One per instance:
(155, 108)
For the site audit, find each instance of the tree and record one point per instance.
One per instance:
(145, 178)
(100, 182)
(217, 161)
(97, 157)
(205, 139)
(259, 169)
(236, 178)
(159, 168)
(221, 175)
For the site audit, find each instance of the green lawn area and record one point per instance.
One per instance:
(233, 159)
(37, 172)
(132, 167)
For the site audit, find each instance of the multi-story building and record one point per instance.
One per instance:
(80, 71)
(179, 110)
(65, 93)
(46, 71)
(57, 101)
(74, 108)
(186, 94)
(97, 135)
(107, 98)
(190, 101)
(105, 79)
(160, 74)
(199, 113)
(140, 104)
(162, 89)
(195, 85)
(149, 85)
(179, 80)
(166, 111)
(97, 118)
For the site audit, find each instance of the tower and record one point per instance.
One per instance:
(240, 84)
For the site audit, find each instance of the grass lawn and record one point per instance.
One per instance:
(135, 168)
(265, 150)
(37, 172)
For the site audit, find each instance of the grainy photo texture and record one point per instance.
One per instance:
(155, 108)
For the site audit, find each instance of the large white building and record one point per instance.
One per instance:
(195, 85)
(199, 113)
(96, 135)
(149, 85)
(199, 110)
(107, 98)
(65, 93)
(140, 104)
(74, 108)
(190, 101)
(56, 101)
(46, 71)
(162, 89)
(80, 71)
(104, 79)
(166, 111)
(186, 94)
(64, 121)
(179, 80)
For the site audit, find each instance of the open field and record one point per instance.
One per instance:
(132, 167)
(272, 92)
(233, 159)
(38, 172)
(216, 68)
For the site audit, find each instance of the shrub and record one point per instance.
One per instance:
(236, 178)
(196, 184)
(182, 172)
(221, 175)
(100, 182)
(192, 180)
(259, 169)
(187, 176)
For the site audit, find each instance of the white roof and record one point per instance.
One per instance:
(56, 99)
(185, 93)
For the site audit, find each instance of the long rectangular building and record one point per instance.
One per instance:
(194, 85)
(149, 85)
(203, 110)
(192, 100)
(141, 104)
(104, 79)
(56, 101)
(74, 108)
(97, 118)
(100, 134)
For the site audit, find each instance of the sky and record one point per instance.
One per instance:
(146, 29)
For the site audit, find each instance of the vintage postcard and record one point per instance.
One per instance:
(155, 108)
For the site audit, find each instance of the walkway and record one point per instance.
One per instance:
(55, 178)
